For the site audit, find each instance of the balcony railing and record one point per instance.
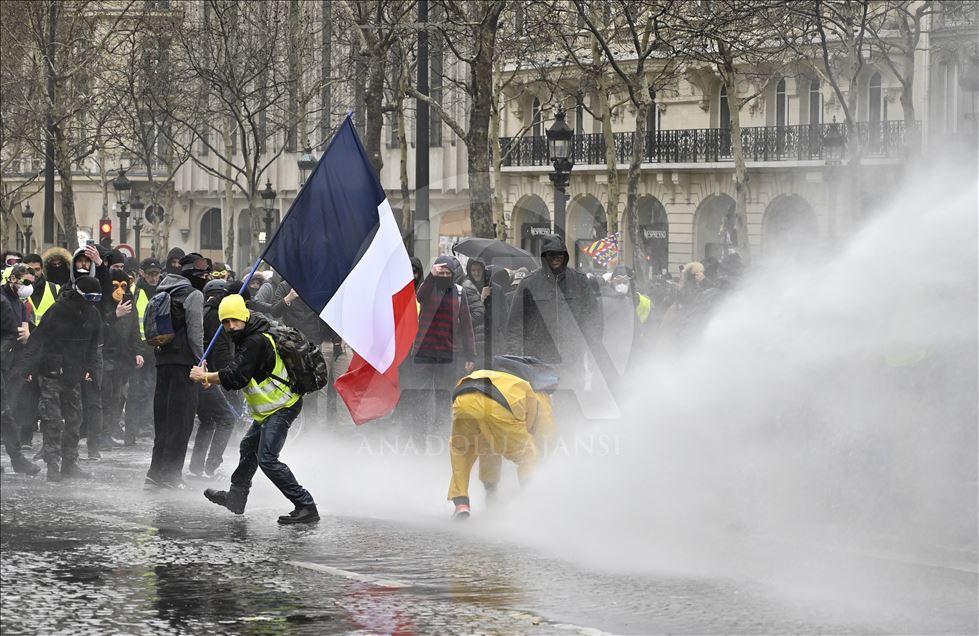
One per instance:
(706, 145)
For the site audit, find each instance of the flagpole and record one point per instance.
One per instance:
(244, 285)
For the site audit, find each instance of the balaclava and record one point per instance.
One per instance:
(445, 282)
(194, 267)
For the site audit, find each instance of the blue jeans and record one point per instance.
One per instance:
(260, 448)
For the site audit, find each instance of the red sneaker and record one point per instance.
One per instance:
(461, 512)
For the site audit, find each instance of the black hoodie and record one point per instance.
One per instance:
(254, 355)
(66, 342)
(552, 311)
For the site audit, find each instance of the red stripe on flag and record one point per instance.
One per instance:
(367, 393)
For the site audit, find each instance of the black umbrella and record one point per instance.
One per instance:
(492, 251)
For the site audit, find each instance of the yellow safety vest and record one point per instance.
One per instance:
(643, 308)
(47, 300)
(142, 300)
(270, 395)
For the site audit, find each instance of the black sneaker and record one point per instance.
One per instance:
(54, 472)
(302, 514)
(72, 471)
(151, 484)
(22, 465)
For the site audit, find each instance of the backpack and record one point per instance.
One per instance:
(303, 360)
(162, 319)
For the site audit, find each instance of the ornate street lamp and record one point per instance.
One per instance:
(28, 214)
(833, 145)
(306, 164)
(559, 145)
(268, 195)
(123, 189)
(137, 206)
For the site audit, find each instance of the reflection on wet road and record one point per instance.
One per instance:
(105, 557)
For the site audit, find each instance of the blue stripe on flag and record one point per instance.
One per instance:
(331, 223)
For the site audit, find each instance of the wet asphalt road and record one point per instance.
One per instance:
(102, 556)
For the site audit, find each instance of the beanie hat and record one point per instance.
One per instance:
(214, 287)
(88, 285)
(114, 257)
(233, 306)
(175, 253)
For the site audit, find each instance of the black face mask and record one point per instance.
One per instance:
(57, 274)
(197, 279)
(442, 282)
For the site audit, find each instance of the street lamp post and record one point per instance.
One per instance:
(268, 195)
(559, 146)
(137, 207)
(28, 215)
(123, 189)
(306, 164)
(833, 146)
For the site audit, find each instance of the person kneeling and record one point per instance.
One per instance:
(259, 371)
(504, 411)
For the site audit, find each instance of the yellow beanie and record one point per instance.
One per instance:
(233, 306)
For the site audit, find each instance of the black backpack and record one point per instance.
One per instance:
(303, 360)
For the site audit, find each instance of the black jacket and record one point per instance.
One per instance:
(8, 334)
(554, 317)
(121, 341)
(254, 356)
(187, 347)
(298, 315)
(224, 350)
(67, 340)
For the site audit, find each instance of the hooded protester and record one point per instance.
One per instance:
(10, 333)
(173, 260)
(477, 312)
(175, 398)
(57, 265)
(217, 419)
(259, 371)
(554, 314)
(417, 271)
(444, 348)
(61, 354)
(123, 352)
(139, 413)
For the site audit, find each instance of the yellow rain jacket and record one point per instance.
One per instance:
(496, 413)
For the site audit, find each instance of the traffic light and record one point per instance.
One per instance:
(105, 231)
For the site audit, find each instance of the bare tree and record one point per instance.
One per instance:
(468, 31)
(745, 44)
(633, 44)
(77, 113)
(243, 64)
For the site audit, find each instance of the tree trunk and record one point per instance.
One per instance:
(407, 221)
(611, 164)
(477, 142)
(374, 103)
(632, 188)
(228, 214)
(63, 163)
(499, 215)
(741, 178)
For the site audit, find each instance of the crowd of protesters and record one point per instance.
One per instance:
(77, 364)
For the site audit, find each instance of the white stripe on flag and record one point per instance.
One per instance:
(361, 311)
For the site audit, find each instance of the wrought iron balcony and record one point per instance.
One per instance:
(888, 139)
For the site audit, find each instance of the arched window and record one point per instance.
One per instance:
(875, 100)
(723, 110)
(815, 103)
(536, 121)
(211, 230)
(781, 104)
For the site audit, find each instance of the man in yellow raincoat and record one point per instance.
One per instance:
(505, 411)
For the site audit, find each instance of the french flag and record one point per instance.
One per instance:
(340, 249)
